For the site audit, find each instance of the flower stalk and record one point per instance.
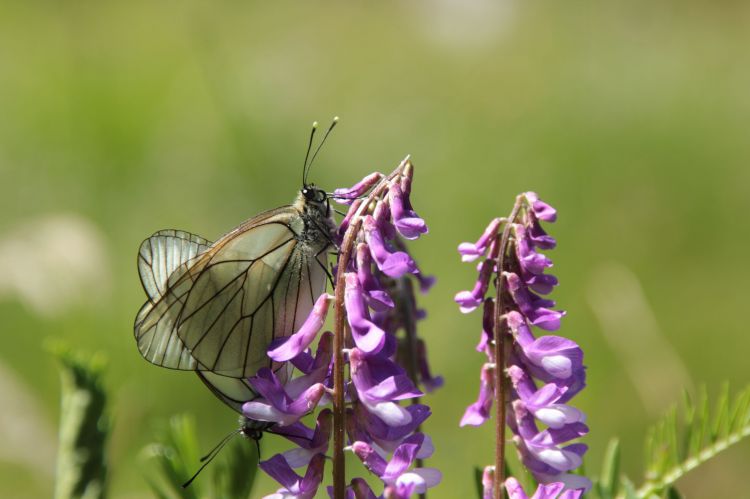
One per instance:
(500, 331)
(339, 340)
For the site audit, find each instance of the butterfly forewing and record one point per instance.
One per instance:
(224, 306)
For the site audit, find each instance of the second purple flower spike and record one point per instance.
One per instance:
(529, 379)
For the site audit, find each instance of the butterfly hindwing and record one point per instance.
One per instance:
(165, 254)
(161, 254)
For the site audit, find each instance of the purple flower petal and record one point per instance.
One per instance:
(470, 300)
(542, 210)
(479, 412)
(531, 261)
(532, 306)
(367, 336)
(376, 296)
(471, 251)
(293, 345)
(316, 444)
(488, 482)
(393, 264)
(575, 485)
(379, 382)
(407, 222)
(348, 195)
(558, 356)
(368, 427)
(277, 405)
(548, 491)
(294, 486)
(538, 236)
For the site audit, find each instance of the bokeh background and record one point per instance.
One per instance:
(121, 118)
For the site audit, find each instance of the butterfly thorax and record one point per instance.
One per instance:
(318, 225)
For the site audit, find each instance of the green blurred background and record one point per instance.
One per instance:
(121, 118)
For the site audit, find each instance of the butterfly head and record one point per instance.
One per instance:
(314, 201)
(314, 194)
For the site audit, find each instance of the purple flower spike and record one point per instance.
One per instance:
(376, 296)
(293, 345)
(367, 336)
(470, 300)
(393, 264)
(348, 195)
(471, 251)
(294, 486)
(407, 222)
(382, 314)
(277, 405)
(479, 412)
(541, 210)
(545, 372)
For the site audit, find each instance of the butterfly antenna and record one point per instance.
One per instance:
(333, 125)
(206, 460)
(307, 154)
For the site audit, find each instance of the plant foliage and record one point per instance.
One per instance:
(174, 458)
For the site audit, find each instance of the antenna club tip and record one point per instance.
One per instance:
(335, 119)
(315, 124)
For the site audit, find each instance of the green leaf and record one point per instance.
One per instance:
(84, 426)
(702, 438)
(609, 480)
(234, 473)
(628, 489)
(719, 430)
(174, 459)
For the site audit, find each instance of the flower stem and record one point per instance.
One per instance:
(499, 332)
(339, 423)
(339, 409)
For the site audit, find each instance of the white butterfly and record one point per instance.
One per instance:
(214, 308)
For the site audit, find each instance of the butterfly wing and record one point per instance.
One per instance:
(162, 253)
(224, 307)
(160, 256)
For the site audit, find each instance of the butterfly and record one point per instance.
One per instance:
(215, 307)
